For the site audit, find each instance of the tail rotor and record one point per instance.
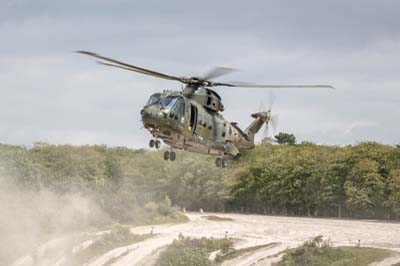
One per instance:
(271, 119)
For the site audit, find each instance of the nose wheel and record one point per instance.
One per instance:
(169, 155)
(155, 143)
(221, 162)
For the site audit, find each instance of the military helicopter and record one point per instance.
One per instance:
(190, 119)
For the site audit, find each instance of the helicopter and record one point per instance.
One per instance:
(191, 119)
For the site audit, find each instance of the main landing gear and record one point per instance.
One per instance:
(155, 143)
(169, 155)
(221, 162)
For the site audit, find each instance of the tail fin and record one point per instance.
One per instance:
(255, 126)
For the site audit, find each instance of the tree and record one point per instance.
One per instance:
(393, 200)
(364, 187)
(285, 138)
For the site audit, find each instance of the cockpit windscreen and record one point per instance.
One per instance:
(155, 98)
(173, 103)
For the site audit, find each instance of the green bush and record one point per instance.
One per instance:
(158, 213)
(165, 207)
(313, 253)
(192, 252)
(233, 253)
(317, 252)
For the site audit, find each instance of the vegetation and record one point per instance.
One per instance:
(136, 186)
(231, 254)
(121, 185)
(320, 253)
(187, 251)
(117, 237)
(285, 138)
(162, 212)
(217, 218)
(360, 181)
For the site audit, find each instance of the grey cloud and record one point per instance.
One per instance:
(49, 93)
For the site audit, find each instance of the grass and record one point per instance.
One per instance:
(239, 252)
(216, 218)
(364, 256)
(187, 251)
(119, 236)
(320, 253)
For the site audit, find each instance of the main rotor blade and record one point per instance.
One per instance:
(250, 85)
(118, 66)
(217, 72)
(126, 66)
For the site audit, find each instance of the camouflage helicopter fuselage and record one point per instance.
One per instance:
(189, 124)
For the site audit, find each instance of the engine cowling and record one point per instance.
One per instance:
(209, 99)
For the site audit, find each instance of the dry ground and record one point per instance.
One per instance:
(251, 230)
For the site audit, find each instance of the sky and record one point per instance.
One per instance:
(50, 94)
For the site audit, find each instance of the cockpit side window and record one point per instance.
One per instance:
(155, 98)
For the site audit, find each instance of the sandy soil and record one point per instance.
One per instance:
(257, 230)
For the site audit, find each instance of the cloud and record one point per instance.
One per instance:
(49, 93)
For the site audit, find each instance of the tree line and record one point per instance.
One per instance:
(360, 181)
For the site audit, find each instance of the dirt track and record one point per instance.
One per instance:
(256, 230)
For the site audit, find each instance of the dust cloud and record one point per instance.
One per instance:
(29, 219)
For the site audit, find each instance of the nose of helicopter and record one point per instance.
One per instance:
(149, 112)
(152, 116)
(161, 121)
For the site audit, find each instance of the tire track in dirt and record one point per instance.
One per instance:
(253, 230)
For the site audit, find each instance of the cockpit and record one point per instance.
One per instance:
(173, 103)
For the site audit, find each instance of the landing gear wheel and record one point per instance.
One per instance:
(158, 144)
(218, 162)
(224, 162)
(152, 143)
(172, 156)
(166, 155)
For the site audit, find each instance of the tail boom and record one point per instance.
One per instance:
(255, 126)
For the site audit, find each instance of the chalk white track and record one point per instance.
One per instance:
(252, 230)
